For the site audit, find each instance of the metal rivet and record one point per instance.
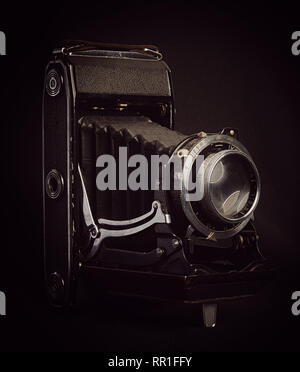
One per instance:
(159, 251)
(175, 243)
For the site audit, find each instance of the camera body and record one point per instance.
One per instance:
(155, 243)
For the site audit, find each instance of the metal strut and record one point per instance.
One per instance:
(120, 228)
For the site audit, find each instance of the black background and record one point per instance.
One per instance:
(232, 66)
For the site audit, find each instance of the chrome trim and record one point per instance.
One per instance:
(158, 216)
(86, 209)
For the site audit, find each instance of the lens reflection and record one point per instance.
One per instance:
(230, 185)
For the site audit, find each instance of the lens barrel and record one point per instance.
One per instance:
(230, 182)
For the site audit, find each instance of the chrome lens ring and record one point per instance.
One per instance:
(195, 150)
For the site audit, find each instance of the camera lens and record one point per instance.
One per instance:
(230, 186)
(231, 191)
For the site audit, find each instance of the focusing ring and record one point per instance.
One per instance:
(54, 184)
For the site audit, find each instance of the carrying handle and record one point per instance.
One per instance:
(73, 46)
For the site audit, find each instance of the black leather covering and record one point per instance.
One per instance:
(115, 76)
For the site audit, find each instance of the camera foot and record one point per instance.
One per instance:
(209, 315)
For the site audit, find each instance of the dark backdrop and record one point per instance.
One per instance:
(232, 66)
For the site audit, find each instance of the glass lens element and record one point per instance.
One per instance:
(230, 185)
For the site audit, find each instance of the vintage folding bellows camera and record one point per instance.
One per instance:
(109, 107)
